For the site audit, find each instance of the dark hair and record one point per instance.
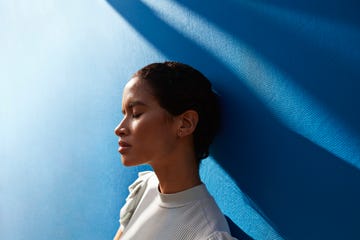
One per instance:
(178, 88)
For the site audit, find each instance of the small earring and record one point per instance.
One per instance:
(179, 133)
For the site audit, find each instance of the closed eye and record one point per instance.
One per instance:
(136, 115)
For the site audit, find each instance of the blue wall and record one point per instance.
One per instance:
(286, 164)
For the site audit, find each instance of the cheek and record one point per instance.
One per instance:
(154, 131)
(144, 128)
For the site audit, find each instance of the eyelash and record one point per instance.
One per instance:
(136, 115)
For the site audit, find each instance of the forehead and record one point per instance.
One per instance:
(135, 86)
(137, 90)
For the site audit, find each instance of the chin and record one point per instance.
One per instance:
(128, 162)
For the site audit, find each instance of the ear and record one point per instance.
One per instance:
(188, 123)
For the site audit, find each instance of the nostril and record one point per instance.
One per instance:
(120, 132)
(117, 131)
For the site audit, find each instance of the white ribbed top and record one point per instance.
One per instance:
(188, 215)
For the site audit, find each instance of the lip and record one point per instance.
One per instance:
(123, 147)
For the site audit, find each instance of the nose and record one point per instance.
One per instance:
(120, 129)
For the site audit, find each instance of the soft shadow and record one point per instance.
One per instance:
(345, 12)
(236, 231)
(306, 192)
(320, 55)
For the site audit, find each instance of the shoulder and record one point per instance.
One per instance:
(142, 178)
(139, 185)
(205, 212)
(220, 236)
(136, 191)
(211, 212)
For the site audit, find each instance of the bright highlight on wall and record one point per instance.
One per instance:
(290, 103)
(288, 72)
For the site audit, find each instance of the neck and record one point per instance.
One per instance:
(178, 175)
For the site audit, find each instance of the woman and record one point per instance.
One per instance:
(171, 116)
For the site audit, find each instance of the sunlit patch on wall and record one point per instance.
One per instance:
(235, 204)
(291, 104)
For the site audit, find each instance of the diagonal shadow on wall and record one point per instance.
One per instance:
(303, 189)
(308, 47)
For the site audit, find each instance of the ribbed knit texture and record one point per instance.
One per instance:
(188, 215)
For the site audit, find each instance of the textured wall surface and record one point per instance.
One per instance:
(286, 164)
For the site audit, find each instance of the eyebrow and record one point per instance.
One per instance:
(133, 104)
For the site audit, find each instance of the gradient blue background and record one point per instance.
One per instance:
(286, 164)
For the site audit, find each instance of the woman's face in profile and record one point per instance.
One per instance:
(147, 132)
